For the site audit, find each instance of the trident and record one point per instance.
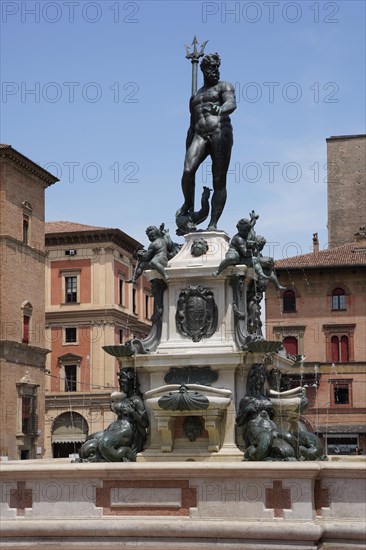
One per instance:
(194, 57)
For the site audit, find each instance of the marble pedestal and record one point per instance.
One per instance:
(218, 352)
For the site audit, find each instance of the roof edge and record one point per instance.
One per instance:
(11, 154)
(115, 235)
(351, 136)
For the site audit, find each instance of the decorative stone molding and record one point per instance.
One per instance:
(194, 375)
(27, 308)
(321, 497)
(165, 426)
(27, 208)
(23, 354)
(278, 498)
(166, 506)
(18, 246)
(160, 497)
(21, 498)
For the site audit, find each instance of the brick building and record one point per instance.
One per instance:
(22, 313)
(322, 313)
(346, 160)
(89, 304)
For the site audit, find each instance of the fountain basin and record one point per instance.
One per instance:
(170, 506)
(218, 398)
(212, 414)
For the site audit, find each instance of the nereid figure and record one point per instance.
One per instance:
(125, 436)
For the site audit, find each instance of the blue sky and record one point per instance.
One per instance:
(108, 113)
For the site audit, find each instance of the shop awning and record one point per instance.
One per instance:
(68, 438)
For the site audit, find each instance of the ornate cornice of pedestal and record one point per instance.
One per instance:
(184, 263)
(228, 360)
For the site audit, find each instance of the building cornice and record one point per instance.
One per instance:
(288, 327)
(8, 154)
(339, 327)
(8, 240)
(352, 136)
(85, 400)
(341, 369)
(99, 236)
(23, 354)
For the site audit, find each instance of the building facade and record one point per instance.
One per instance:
(322, 313)
(23, 348)
(89, 304)
(323, 318)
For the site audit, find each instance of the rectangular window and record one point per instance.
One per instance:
(341, 394)
(70, 377)
(339, 349)
(289, 301)
(25, 229)
(120, 292)
(339, 302)
(26, 320)
(147, 306)
(291, 345)
(134, 307)
(121, 336)
(29, 424)
(70, 335)
(71, 289)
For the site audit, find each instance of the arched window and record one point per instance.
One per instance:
(25, 229)
(339, 341)
(344, 349)
(27, 213)
(335, 349)
(291, 345)
(27, 310)
(338, 298)
(69, 431)
(289, 301)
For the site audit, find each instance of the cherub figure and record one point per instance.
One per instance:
(264, 265)
(242, 245)
(245, 249)
(155, 257)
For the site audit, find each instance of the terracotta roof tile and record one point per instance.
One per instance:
(345, 255)
(69, 227)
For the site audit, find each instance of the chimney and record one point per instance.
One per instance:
(360, 239)
(315, 243)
